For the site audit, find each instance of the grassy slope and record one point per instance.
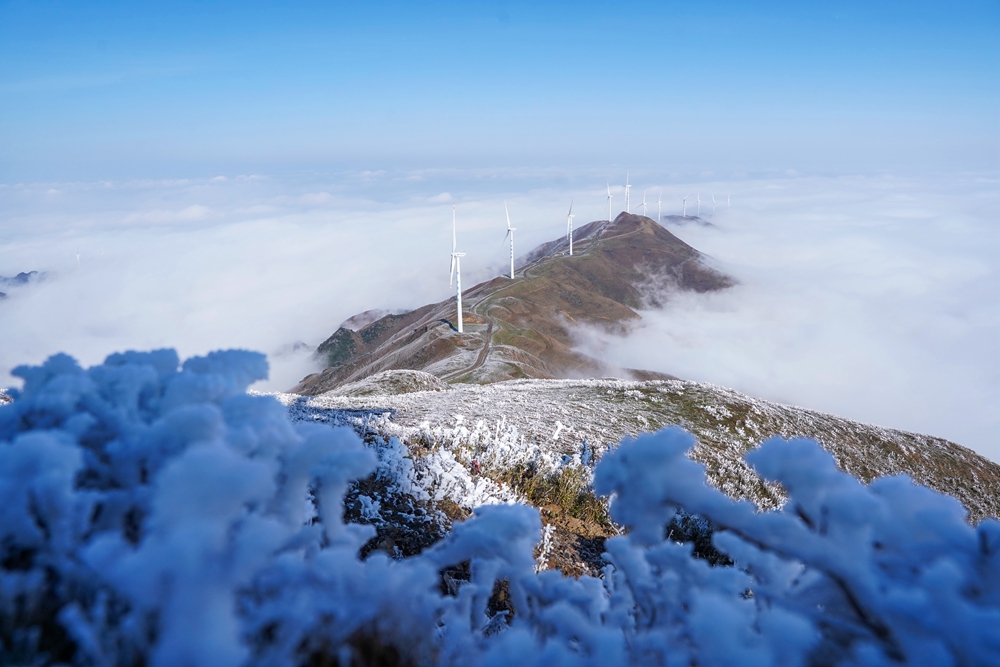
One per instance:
(528, 320)
(726, 424)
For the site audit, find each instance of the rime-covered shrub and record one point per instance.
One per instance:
(154, 513)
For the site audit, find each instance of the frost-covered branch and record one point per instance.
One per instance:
(153, 512)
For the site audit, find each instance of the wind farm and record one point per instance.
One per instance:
(511, 318)
(610, 256)
(570, 233)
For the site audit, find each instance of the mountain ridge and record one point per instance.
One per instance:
(523, 327)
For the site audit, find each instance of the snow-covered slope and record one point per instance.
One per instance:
(152, 513)
(569, 423)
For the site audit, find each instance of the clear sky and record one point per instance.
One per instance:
(124, 89)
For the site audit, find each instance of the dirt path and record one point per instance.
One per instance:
(487, 337)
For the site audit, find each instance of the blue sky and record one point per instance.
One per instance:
(113, 90)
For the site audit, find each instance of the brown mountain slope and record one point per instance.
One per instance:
(522, 328)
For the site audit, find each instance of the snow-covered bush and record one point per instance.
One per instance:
(154, 513)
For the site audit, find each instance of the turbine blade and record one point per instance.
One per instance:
(508, 215)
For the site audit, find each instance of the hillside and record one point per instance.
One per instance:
(501, 411)
(522, 328)
(538, 440)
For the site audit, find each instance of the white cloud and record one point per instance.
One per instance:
(315, 198)
(874, 298)
(160, 216)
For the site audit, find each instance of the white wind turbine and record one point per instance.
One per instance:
(609, 202)
(713, 203)
(628, 187)
(659, 206)
(644, 202)
(727, 201)
(77, 256)
(510, 233)
(699, 204)
(684, 209)
(456, 269)
(569, 227)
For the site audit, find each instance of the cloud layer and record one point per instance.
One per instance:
(875, 298)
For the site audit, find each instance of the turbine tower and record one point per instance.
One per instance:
(713, 204)
(510, 233)
(727, 201)
(699, 204)
(456, 269)
(644, 202)
(569, 227)
(659, 206)
(684, 210)
(628, 187)
(609, 202)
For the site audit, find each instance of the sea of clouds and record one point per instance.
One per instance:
(872, 297)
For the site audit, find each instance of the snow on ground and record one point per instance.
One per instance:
(557, 423)
(151, 512)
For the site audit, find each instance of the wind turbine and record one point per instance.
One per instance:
(569, 226)
(684, 211)
(713, 204)
(456, 269)
(627, 188)
(699, 204)
(727, 200)
(609, 202)
(659, 206)
(644, 202)
(78, 257)
(510, 233)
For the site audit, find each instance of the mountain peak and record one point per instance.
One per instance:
(524, 328)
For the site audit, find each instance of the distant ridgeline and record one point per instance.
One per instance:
(522, 328)
(19, 280)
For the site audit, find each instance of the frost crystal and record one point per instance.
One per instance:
(153, 512)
